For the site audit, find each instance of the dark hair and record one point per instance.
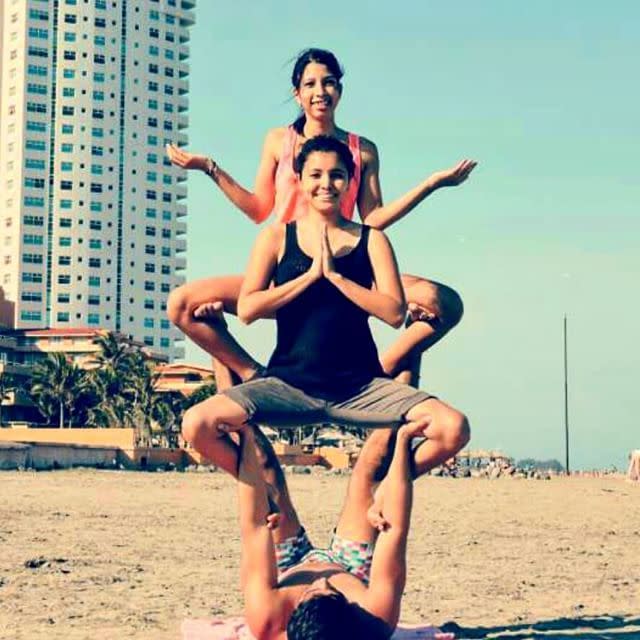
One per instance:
(327, 617)
(319, 56)
(325, 144)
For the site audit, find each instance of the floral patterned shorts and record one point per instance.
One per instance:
(355, 557)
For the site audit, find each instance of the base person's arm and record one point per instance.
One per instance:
(258, 565)
(389, 566)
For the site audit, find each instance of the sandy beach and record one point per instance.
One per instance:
(107, 554)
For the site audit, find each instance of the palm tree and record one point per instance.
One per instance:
(115, 352)
(168, 415)
(58, 385)
(7, 385)
(113, 380)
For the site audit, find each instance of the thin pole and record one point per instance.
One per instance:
(566, 399)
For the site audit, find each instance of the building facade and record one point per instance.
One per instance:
(92, 214)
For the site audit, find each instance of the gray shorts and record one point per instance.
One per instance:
(380, 403)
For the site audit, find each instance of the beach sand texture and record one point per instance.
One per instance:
(105, 554)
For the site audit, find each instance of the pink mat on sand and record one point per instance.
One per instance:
(234, 628)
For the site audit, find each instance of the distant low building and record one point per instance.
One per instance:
(21, 349)
(185, 378)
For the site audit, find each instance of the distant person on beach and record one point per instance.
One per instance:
(330, 275)
(197, 307)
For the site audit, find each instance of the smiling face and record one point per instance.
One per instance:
(318, 93)
(324, 181)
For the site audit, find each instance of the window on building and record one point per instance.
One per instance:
(32, 258)
(33, 221)
(31, 316)
(30, 276)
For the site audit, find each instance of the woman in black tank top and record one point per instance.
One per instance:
(323, 268)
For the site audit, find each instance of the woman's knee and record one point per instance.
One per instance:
(178, 307)
(454, 431)
(449, 426)
(198, 423)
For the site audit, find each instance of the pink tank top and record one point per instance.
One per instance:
(290, 203)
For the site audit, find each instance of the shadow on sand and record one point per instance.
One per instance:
(604, 627)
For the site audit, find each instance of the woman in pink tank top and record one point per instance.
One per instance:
(197, 308)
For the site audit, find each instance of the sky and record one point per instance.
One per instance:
(544, 96)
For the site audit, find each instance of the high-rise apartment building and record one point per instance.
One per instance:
(92, 230)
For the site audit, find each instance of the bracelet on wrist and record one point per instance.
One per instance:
(211, 169)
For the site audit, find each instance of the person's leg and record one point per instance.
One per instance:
(434, 309)
(200, 427)
(448, 433)
(193, 308)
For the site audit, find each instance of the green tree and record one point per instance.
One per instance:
(113, 379)
(7, 384)
(59, 386)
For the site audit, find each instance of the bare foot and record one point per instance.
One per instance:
(416, 313)
(210, 312)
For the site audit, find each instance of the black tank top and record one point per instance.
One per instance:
(324, 345)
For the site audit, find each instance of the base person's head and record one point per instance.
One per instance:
(325, 166)
(323, 613)
(321, 617)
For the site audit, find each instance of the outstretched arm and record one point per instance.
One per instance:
(256, 204)
(379, 215)
(386, 302)
(257, 299)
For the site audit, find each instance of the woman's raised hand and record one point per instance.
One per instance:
(185, 159)
(454, 176)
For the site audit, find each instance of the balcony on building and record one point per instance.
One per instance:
(180, 138)
(183, 122)
(178, 353)
(187, 18)
(180, 264)
(180, 192)
(183, 52)
(180, 245)
(181, 211)
(183, 105)
(183, 69)
(180, 228)
(183, 87)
